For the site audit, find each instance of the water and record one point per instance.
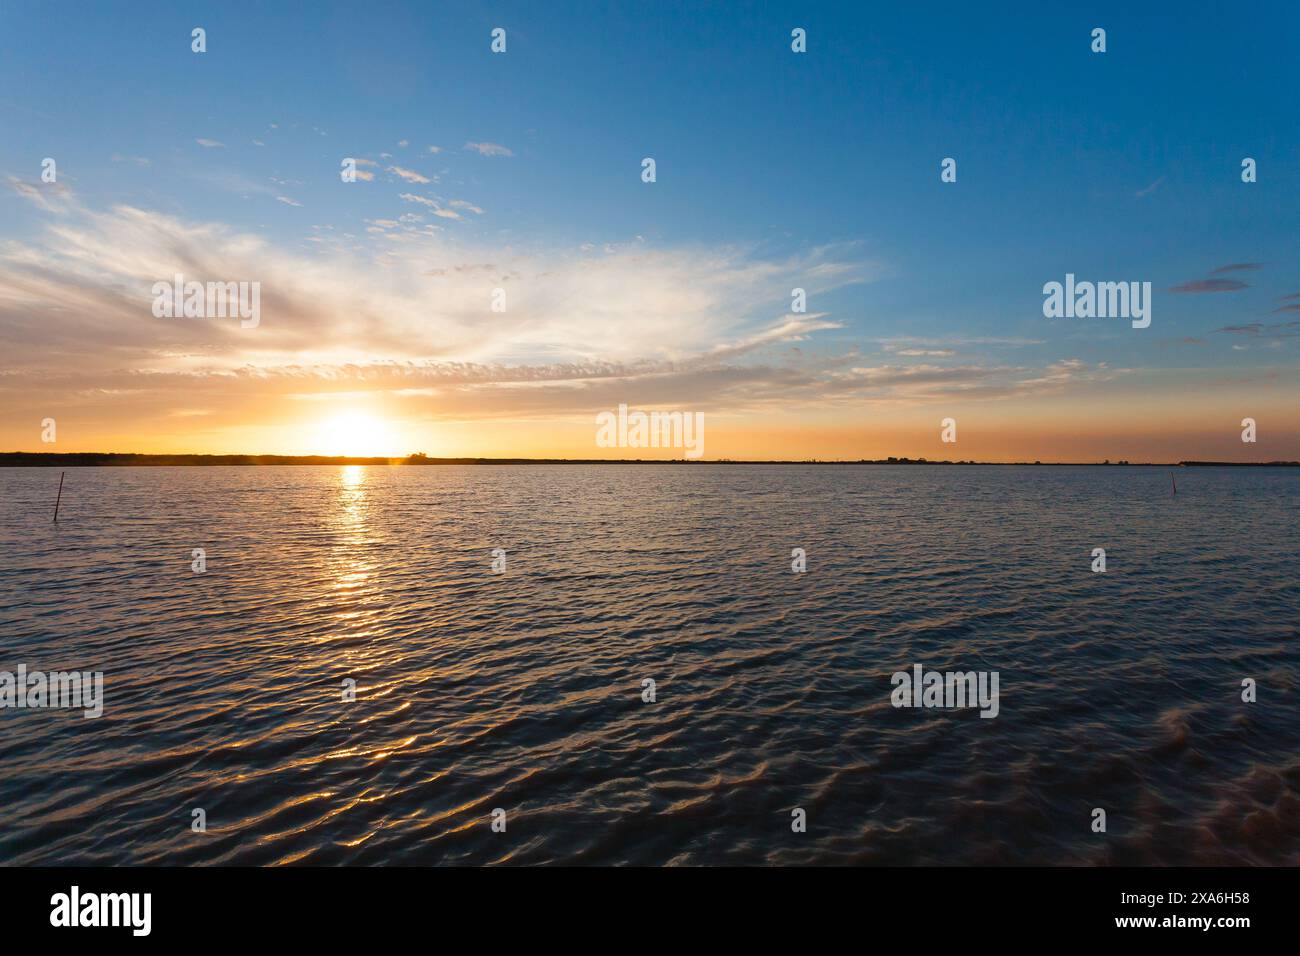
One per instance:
(522, 691)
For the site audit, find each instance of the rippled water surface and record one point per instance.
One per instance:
(522, 691)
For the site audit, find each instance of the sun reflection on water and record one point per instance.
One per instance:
(353, 572)
(352, 475)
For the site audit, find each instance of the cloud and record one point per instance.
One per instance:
(423, 200)
(51, 197)
(81, 290)
(435, 149)
(235, 183)
(410, 175)
(793, 328)
(699, 326)
(469, 206)
(210, 144)
(1142, 193)
(1210, 285)
(287, 201)
(489, 149)
(1278, 329)
(913, 351)
(434, 205)
(1218, 285)
(906, 341)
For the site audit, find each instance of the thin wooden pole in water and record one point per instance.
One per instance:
(60, 497)
(1172, 482)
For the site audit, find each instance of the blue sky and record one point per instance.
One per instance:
(1117, 166)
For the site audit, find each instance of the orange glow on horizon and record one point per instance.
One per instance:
(1156, 425)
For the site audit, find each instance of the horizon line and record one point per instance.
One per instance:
(120, 459)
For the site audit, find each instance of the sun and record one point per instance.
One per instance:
(355, 435)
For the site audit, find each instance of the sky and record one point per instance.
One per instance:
(522, 171)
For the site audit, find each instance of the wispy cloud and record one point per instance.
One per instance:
(1142, 193)
(410, 175)
(907, 341)
(423, 200)
(234, 182)
(489, 149)
(51, 197)
(1279, 329)
(210, 144)
(583, 328)
(1210, 285)
(437, 208)
(913, 351)
(621, 302)
(1201, 286)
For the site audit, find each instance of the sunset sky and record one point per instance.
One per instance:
(775, 170)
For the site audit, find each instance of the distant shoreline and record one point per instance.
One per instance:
(23, 459)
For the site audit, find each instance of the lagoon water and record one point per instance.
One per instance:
(523, 690)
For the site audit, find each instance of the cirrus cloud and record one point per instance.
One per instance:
(489, 149)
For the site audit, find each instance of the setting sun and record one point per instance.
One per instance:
(356, 434)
